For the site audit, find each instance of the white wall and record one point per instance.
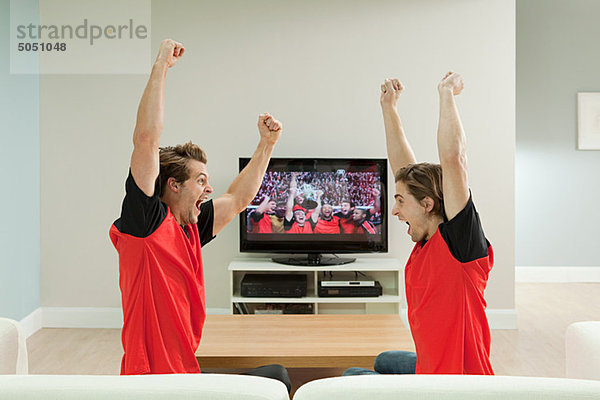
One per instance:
(557, 186)
(317, 67)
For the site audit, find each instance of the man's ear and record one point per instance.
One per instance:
(428, 203)
(173, 185)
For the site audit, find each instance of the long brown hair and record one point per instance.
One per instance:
(174, 160)
(424, 180)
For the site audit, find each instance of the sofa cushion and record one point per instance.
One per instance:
(141, 387)
(447, 387)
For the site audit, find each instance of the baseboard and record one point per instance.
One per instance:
(497, 318)
(220, 311)
(557, 274)
(82, 317)
(112, 317)
(32, 323)
(90, 317)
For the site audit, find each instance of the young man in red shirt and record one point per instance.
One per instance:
(260, 218)
(361, 223)
(347, 216)
(165, 220)
(327, 222)
(448, 269)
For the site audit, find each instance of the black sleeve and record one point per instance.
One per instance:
(287, 224)
(256, 216)
(464, 235)
(206, 221)
(140, 215)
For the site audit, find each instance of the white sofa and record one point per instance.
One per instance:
(582, 342)
(16, 384)
(447, 387)
(13, 348)
(141, 387)
(582, 355)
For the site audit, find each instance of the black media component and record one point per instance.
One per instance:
(273, 285)
(351, 291)
(313, 259)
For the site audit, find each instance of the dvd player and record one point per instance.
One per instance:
(273, 285)
(350, 290)
(347, 283)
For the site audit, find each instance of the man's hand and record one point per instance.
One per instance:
(269, 128)
(170, 52)
(453, 82)
(390, 91)
(375, 192)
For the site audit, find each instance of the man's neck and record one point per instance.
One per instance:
(432, 226)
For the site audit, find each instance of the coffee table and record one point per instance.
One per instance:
(299, 341)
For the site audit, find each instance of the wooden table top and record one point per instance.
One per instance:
(322, 340)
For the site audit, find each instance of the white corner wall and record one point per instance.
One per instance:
(557, 186)
(317, 67)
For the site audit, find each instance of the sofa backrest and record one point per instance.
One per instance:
(141, 387)
(447, 387)
(13, 348)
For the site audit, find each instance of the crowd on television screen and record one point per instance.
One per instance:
(323, 202)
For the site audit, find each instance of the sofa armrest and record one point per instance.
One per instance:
(582, 342)
(13, 348)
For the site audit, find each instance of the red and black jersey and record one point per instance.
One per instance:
(325, 226)
(445, 279)
(260, 222)
(365, 227)
(306, 228)
(162, 283)
(346, 222)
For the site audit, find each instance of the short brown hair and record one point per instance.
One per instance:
(174, 161)
(424, 180)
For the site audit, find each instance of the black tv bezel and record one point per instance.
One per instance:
(319, 245)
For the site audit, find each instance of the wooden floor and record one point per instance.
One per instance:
(535, 349)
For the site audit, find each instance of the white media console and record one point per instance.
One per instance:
(388, 271)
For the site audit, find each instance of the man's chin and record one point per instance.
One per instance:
(414, 239)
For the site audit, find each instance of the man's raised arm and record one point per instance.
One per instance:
(317, 211)
(245, 186)
(145, 163)
(400, 154)
(289, 205)
(452, 147)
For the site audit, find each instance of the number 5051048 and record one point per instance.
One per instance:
(42, 46)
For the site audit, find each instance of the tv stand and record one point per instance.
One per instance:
(313, 259)
(388, 271)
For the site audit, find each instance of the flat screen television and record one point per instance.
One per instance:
(317, 206)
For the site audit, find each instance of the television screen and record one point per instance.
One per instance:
(318, 206)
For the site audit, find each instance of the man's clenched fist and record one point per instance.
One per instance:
(269, 128)
(170, 52)
(452, 81)
(390, 91)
